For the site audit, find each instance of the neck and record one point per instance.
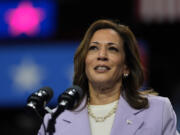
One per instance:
(101, 95)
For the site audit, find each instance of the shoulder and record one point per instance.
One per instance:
(158, 101)
(163, 109)
(159, 107)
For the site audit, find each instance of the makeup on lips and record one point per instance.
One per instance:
(101, 68)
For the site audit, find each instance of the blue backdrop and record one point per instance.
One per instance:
(26, 68)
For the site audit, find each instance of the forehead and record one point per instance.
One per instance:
(106, 36)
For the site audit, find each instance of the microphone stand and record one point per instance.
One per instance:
(51, 123)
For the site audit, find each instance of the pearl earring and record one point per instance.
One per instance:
(125, 75)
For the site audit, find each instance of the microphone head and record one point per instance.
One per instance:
(40, 98)
(76, 89)
(72, 96)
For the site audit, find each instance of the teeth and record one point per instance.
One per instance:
(101, 68)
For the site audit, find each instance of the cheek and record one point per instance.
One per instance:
(119, 66)
(117, 61)
(89, 60)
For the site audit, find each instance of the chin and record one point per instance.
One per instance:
(102, 81)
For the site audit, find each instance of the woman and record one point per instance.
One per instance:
(107, 67)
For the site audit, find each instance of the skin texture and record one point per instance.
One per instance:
(105, 66)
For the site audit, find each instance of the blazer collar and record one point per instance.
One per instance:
(127, 119)
(75, 122)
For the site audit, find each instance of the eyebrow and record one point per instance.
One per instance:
(109, 43)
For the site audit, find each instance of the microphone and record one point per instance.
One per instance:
(71, 97)
(68, 99)
(40, 98)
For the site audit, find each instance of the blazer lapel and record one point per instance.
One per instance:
(75, 122)
(127, 120)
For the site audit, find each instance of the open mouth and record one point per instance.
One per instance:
(101, 68)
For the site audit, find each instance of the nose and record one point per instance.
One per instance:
(102, 55)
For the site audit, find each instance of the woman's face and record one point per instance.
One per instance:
(105, 58)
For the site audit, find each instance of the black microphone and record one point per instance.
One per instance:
(68, 99)
(40, 98)
(71, 97)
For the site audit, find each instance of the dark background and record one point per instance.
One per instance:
(74, 17)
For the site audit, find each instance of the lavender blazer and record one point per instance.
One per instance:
(158, 119)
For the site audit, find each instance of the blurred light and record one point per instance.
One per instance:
(24, 19)
(158, 10)
(27, 75)
(28, 19)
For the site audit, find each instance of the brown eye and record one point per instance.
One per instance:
(113, 49)
(93, 48)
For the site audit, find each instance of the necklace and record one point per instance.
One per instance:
(101, 118)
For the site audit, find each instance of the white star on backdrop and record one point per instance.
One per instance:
(27, 75)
